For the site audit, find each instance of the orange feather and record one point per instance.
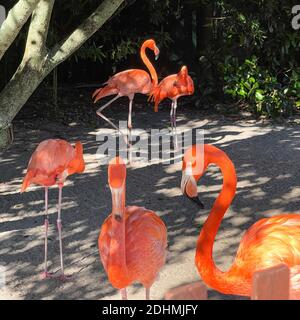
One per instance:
(268, 242)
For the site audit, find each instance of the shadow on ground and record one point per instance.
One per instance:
(267, 163)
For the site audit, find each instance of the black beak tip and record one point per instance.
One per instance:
(198, 202)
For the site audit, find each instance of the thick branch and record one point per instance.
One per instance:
(37, 34)
(76, 39)
(13, 23)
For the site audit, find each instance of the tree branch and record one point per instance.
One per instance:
(13, 23)
(35, 49)
(76, 39)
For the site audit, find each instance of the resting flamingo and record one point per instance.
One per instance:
(173, 87)
(133, 240)
(268, 242)
(50, 164)
(128, 83)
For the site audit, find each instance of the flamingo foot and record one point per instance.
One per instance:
(46, 275)
(65, 278)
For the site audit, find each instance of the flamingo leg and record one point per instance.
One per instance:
(62, 277)
(46, 274)
(174, 124)
(99, 113)
(130, 127)
(123, 294)
(171, 115)
(147, 293)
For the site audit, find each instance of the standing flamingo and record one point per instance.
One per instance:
(173, 87)
(268, 242)
(128, 83)
(51, 163)
(133, 240)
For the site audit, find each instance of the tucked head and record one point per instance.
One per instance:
(116, 173)
(193, 167)
(184, 82)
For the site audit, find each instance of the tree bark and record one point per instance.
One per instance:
(37, 62)
(13, 23)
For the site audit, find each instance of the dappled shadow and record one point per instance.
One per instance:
(266, 159)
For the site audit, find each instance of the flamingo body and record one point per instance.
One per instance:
(125, 83)
(145, 246)
(173, 87)
(132, 241)
(52, 161)
(267, 243)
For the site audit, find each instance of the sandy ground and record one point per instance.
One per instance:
(267, 161)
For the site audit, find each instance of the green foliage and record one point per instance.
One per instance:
(257, 86)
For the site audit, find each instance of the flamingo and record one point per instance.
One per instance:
(133, 240)
(173, 87)
(268, 242)
(128, 83)
(50, 164)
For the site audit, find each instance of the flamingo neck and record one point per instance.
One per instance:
(148, 64)
(209, 272)
(117, 268)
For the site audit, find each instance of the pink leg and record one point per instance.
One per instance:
(123, 294)
(45, 274)
(174, 124)
(147, 293)
(99, 113)
(62, 277)
(130, 127)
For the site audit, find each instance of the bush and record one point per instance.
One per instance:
(260, 88)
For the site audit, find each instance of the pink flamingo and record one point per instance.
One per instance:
(268, 242)
(133, 240)
(173, 87)
(128, 83)
(50, 164)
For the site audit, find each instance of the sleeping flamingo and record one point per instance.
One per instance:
(128, 83)
(173, 87)
(133, 240)
(50, 164)
(268, 242)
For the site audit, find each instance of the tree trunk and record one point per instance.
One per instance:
(17, 92)
(38, 62)
(6, 136)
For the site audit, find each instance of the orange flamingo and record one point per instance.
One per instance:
(268, 242)
(173, 87)
(51, 163)
(133, 240)
(128, 83)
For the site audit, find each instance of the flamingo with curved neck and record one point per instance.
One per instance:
(128, 83)
(133, 240)
(268, 242)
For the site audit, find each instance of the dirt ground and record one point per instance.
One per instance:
(266, 156)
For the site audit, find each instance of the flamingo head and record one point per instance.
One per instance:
(77, 165)
(193, 167)
(151, 44)
(117, 182)
(184, 82)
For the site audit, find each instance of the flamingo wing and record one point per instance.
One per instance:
(268, 242)
(50, 159)
(146, 243)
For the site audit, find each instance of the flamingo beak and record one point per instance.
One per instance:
(156, 52)
(118, 203)
(189, 187)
